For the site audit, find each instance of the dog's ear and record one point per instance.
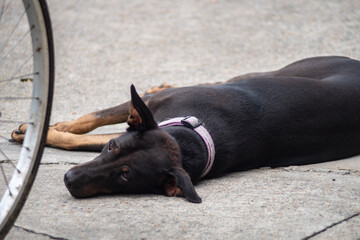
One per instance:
(140, 117)
(178, 183)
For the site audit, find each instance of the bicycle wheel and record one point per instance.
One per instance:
(26, 89)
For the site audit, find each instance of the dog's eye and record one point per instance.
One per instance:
(111, 146)
(124, 177)
(125, 173)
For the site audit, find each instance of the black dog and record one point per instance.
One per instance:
(307, 112)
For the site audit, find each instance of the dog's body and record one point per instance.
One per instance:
(301, 114)
(305, 113)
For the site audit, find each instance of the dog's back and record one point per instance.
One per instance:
(306, 112)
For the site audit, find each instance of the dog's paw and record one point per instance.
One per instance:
(62, 126)
(18, 135)
(158, 89)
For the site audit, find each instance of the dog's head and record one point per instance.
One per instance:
(145, 159)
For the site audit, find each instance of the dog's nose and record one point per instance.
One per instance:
(66, 180)
(69, 179)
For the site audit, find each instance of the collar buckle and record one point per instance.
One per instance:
(191, 122)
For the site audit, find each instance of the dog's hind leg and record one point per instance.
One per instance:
(89, 122)
(158, 89)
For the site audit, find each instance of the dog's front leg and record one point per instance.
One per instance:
(69, 141)
(86, 123)
(65, 135)
(75, 142)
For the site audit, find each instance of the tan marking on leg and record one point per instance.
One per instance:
(91, 121)
(158, 89)
(81, 125)
(70, 141)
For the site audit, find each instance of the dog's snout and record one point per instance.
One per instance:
(70, 179)
(79, 184)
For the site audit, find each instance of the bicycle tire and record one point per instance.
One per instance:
(42, 44)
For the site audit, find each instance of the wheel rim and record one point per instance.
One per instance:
(31, 152)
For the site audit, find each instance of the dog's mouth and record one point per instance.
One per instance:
(77, 189)
(78, 193)
(84, 192)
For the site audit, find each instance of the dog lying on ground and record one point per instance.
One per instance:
(306, 112)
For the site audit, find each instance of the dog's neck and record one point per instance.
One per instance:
(193, 149)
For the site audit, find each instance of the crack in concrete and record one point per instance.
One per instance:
(322, 170)
(58, 163)
(332, 225)
(39, 233)
(49, 163)
(71, 163)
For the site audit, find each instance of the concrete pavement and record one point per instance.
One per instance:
(104, 46)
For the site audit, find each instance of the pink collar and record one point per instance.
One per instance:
(196, 125)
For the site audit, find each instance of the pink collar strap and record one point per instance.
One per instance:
(196, 125)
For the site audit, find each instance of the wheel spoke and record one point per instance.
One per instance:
(19, 41)
(13, 121)
(13, 30)
(18, 98)
(4, 8)
(9, 161)
(19, 69)
(5, 179)
(5, 138)
(18, 77)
